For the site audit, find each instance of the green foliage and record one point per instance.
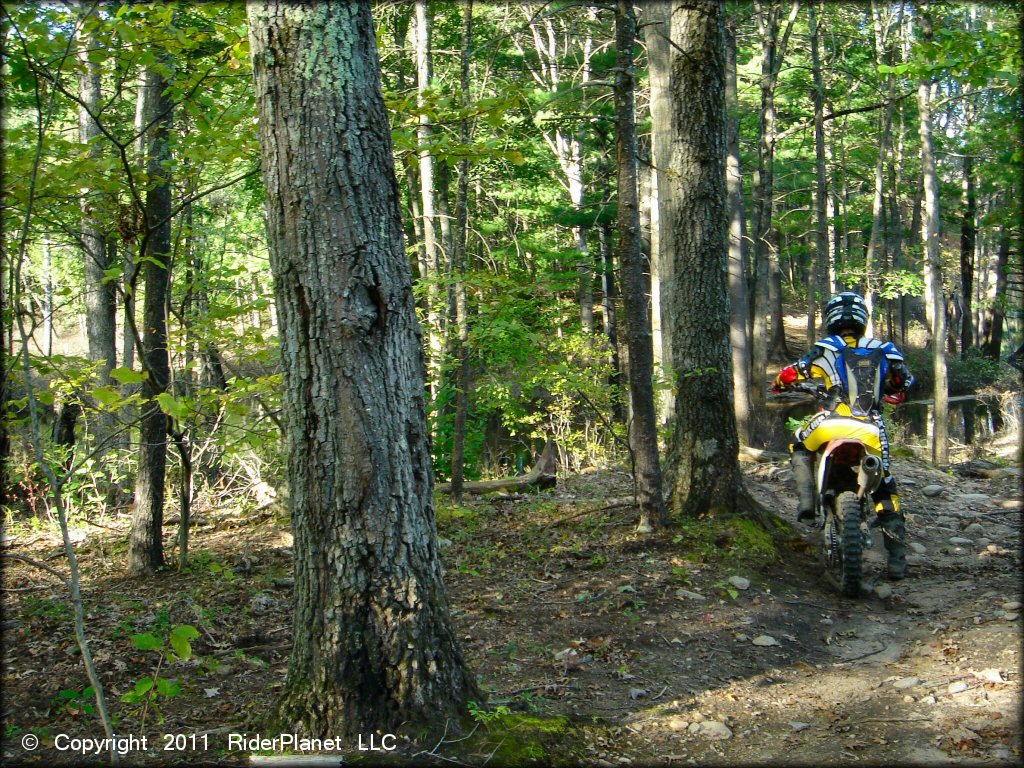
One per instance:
(965, 376)
(76, 702)
(150, 690)
(487, 717)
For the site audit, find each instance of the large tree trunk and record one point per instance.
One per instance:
(738, 314)
(145, 542)
(373, 649)
(933, 261)
(644, 432)
(702, 464)
(100, 298)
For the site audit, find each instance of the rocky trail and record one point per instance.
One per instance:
(699, 645)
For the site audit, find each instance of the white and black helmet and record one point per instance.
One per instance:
(846, 311)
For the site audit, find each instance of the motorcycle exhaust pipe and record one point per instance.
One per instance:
(869, 475)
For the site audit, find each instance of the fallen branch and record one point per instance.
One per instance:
(37, 564)
(542, 476)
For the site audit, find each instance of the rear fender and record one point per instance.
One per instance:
(825, 459)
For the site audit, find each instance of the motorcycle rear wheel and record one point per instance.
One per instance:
(843, 544)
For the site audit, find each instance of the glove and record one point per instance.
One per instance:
(895, 398)
(786, 377)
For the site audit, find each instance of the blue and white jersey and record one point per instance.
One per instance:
(858, 368)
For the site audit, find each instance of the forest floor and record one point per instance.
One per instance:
(697, 645)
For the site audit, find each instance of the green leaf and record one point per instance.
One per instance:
(128, 376)
(171, 405)
(168, 688)
(181, 636)
(144, 686)
(46, 398)
(106, 395)
(112, 275)
(146, 641)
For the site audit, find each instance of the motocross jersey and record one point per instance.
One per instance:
(858, 367)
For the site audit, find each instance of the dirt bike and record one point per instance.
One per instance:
(848, 469)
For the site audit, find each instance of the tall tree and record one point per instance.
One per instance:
(644, 431)
(768, 295)
(462, 374)
(702, 452)
(876, 240)
(373, 644)
(553, 48)
(656, 39)
(968, 238)
(739, 314)
(100, 304)
(431, 244)
(145, 542)
(822, 251)
(933, 257)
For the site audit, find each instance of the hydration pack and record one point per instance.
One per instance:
(863, 371)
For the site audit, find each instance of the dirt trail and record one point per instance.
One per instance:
(679, 647)
(920, 671)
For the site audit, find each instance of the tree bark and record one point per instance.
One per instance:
(766, 246)
(996, 313)
(462, 375)
(145, 542)
(968, 237)
(873, 261)
(373, 649)
(738, 307)
(100, 297)
(821, 239)
(432, 250)
(702, 466)
(644, 431)
(933, 260)
(656, 37)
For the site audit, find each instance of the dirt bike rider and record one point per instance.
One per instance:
(846, 318)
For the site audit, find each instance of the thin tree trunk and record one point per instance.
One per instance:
(100, 298)
(432, 276)
(610, 296)
(462, 376)
(644, 431)
(995, 316)
(738, 308)
(47, 297)
(874, 261)
(933, 261)
(656, 37)
(773, 52)
(145, 542)
(968, 236)
(373, 647)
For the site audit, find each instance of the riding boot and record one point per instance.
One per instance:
(894, 536)
(803, 472)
